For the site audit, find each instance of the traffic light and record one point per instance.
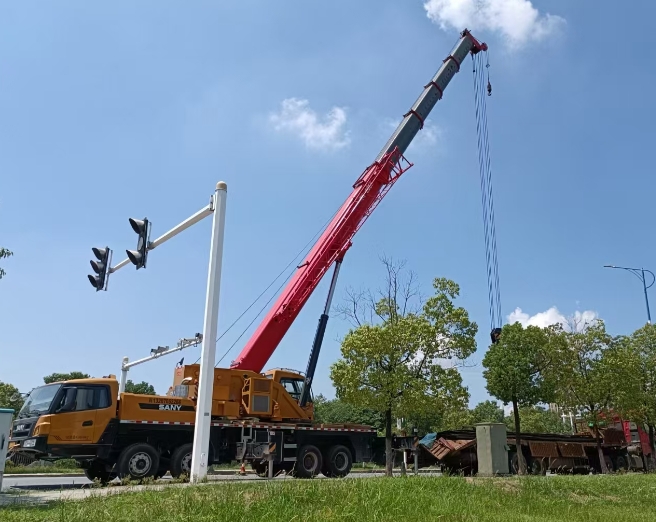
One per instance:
(100, 267)
(138, 256)
(495, 334)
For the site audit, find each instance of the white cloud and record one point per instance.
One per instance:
(518, 21)
(296, 116)
(552, 316)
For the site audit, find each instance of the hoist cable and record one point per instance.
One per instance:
(485, 173)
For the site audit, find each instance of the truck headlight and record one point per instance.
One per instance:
(29, 443)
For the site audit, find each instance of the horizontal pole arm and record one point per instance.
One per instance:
(192, 220)
(198, 216)
(184, 343)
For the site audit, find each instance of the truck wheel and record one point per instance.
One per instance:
(181, 461)
(96, 470)
(138, 461)
(261, 470)
(309, 462)
(621, 463)
(338, 462)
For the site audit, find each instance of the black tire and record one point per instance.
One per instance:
(97, 471)
(260, 469)
(138, 461)
(621, 463)
(338, 462)
(181, 461)
(308, 462)
(538, 467)
(513, 463)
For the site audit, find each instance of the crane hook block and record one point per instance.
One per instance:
(495, 334)
(489, 88)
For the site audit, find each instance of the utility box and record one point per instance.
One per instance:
(6, 417)
(491, 449)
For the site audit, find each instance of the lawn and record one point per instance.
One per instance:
(572, 499)
(60, 466)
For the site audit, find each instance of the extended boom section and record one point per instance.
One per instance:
(368, 191)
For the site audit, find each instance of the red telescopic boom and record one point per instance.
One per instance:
(370, 188)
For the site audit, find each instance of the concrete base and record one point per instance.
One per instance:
(491, 451)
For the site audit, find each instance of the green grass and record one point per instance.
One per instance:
(571, 499)
(59, 466)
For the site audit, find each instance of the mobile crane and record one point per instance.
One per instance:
(253, 414)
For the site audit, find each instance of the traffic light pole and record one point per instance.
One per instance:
(201, 444)
(192, 220)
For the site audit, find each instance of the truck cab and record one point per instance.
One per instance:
(66, 419)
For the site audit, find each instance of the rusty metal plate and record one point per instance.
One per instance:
(544, 449)
(570, 449)
(613, 437)
(443, 447)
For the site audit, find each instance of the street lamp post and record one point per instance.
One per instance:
(640, 274)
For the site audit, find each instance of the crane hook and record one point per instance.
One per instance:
(489, 88)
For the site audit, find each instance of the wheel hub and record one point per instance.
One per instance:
(140, 464)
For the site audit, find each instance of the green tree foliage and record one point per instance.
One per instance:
(631, 361)
(486, 411)
(4, 253)
(516, 370)
(392, 362)
(142, 387)
(336, 411)
(538, 420)
(56, 377)
(10, 397)
(584, 376)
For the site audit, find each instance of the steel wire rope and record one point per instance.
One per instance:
(485, 174)
(301, 252)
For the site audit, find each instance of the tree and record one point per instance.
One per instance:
(394, 362)
(487, 411)
(336, 411)
(143, 388)
(10, 397)
(56, 377)
(538, 420)
(516, 370)
(585, 376)
(633, 360)
(4, 253)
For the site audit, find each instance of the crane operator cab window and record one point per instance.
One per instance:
(294, 387)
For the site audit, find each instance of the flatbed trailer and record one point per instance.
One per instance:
(455, 451)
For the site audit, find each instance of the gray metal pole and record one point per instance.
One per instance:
(644, 286)
(200, 449)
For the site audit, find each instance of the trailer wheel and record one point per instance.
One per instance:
(338, 462)
(538, 467)
(309, 462)
(181, 461)
(138, 461)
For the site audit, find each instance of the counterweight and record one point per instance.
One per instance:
(368, 191)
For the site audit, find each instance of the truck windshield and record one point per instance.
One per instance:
(39, 400)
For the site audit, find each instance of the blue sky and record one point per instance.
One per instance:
(133, 109)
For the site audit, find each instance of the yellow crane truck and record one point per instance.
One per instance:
(141, 436)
